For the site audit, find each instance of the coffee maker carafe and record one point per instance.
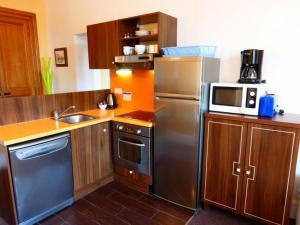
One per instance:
(251, 64)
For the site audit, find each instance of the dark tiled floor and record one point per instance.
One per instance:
(115, 204)
(215, 216)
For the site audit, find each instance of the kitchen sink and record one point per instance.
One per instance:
(76, 118)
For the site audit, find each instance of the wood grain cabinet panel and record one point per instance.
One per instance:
(103, 44)
(249, 168)
(92, 158)
(224, 151)
(269, 159)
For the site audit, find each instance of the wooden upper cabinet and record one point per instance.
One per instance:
(224, 150)
(106, 40)
(19, 54)
(271, 152)
(92, 158)
(103, 44)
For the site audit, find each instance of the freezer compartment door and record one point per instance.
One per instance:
(176, 150)
(178, 75)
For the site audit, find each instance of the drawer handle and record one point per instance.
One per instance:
(238, 170)
(131, 171)
(248, 172)
(104, 130)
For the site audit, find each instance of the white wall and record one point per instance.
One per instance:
(87, 79)
(232, 25)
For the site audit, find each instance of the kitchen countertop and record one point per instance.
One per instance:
(20, 132)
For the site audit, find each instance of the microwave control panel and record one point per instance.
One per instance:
(251, 98)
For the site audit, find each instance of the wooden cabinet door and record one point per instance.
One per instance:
(19, 57)
(270, 166)
(223, 162)
(92, 158)
(103, 44)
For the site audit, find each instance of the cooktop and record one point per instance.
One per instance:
(139, 115)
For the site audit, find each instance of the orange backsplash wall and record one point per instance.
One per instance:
(141, 86)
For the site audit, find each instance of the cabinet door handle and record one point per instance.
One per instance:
(104, 130)
(235, 169)
(250, 172)
(131, 171)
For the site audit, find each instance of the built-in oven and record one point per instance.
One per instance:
(132, 147)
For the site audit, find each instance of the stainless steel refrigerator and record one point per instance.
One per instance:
(181, 98)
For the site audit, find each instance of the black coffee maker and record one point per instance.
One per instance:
(251, 66)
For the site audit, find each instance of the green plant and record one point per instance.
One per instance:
(47, 74)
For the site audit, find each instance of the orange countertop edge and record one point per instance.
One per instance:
(30, 130)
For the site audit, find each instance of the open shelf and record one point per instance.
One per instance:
(150, 37)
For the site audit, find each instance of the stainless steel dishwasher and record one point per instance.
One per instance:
(42, 177)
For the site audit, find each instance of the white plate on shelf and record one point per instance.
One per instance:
(142, 32)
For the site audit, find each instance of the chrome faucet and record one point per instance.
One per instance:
(58, 115)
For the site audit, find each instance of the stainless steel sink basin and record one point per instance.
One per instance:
(76, 118)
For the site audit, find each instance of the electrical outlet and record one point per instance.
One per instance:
(127, 96)
(118, 91)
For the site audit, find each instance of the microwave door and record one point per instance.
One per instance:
(227, 99)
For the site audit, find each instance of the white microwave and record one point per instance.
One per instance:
(236, 98)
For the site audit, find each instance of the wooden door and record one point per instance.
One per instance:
(223, 162)
(19, 57)
(103, 44)
(269, 169)
(92, 158)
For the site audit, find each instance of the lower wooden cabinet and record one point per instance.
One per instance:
(92, 158)
(224, 150)
(249, 168)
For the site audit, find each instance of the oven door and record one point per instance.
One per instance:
(133, 152)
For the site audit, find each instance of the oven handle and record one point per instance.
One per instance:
(132, 143)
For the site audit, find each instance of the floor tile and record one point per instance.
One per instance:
(214, 216)
(164, 219)
(125, 190)
(103, 203)
(105, 191)
(97, 214)
(134, 218)
(54, 220)
(132, 204)
(167, 207)
(73, 217)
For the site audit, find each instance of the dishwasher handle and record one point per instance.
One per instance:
(40, 150)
